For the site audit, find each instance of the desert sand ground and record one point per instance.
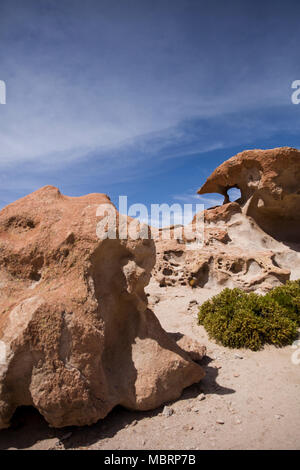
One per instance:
(248, 400)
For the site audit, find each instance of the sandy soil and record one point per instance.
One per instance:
(248, 400)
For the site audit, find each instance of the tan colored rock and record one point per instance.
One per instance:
(76, 336)
(243, 243)
(215, 267)
(269, 181)
(221, 213)
(194, 349)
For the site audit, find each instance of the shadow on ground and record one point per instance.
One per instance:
(28, 427)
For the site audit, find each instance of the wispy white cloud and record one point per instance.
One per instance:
(100, 94)
(109, 78)
(191, 197)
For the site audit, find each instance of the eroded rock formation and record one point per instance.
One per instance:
(252, 243)
(76, 336)
(269, 181)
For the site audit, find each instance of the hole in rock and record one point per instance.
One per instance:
(20, 223)
(234, 194)
(167, 272)
(237, 267)
(37, 265)
(35, 276)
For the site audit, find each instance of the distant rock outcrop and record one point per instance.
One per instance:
(76, 336)
(251, 243)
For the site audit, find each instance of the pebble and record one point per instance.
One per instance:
(167, 411)
(134, 422)
(195, 409)
(236, 375)
(278, 416)
(201, 396)
(238, 421)
(238, 356)
(187, 427)
(220, 421)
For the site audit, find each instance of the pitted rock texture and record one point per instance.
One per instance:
(221, 264)
(76, 336)
(269, 181)
(247, 243)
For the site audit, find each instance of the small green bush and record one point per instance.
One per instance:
(240, 320)
(288, 297)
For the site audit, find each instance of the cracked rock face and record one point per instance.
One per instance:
(252, 243)
(76, 336)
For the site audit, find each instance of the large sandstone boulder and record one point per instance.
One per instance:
(76, 336)
(251, 243)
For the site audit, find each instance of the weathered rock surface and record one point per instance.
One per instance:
(246, 243)
(196, 350)
(76, 336)
(269, 181)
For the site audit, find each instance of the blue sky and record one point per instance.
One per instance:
(142, 98)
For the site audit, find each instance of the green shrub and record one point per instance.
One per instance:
(288, 297)
(240, 320)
